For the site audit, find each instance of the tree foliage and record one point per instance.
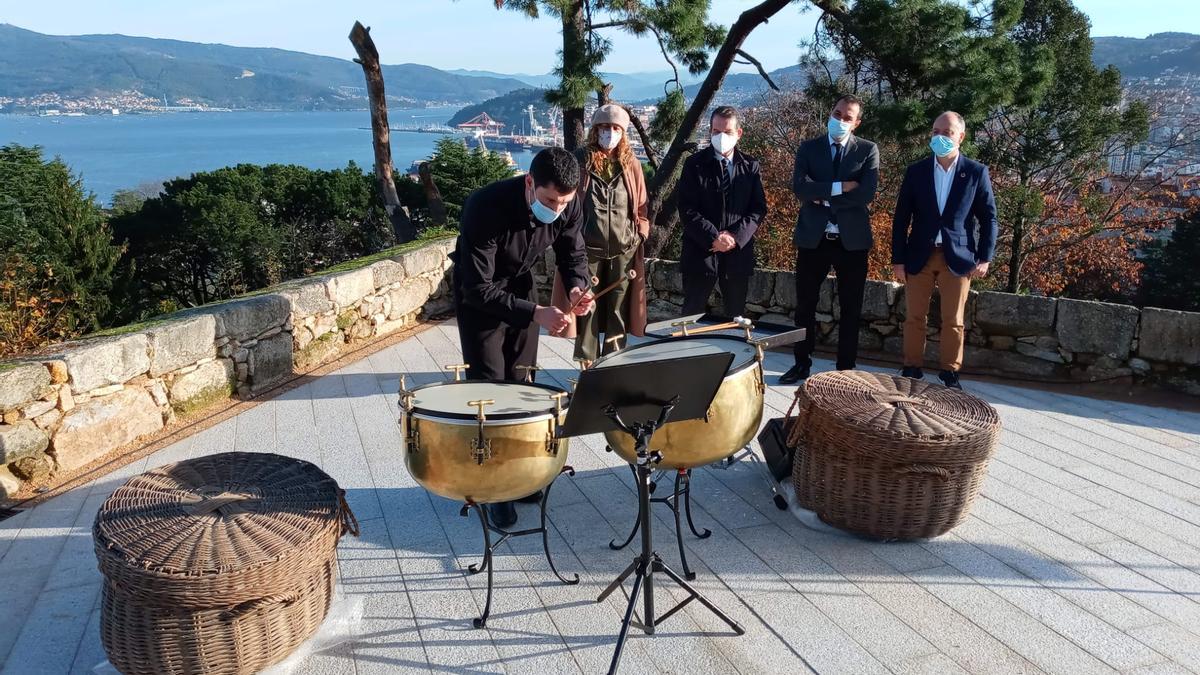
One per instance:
(680, 27)
(458, 172)
(222, 233)
(57, 257)
(1170, 280)
(1049, 152)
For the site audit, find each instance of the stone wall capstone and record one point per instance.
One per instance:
(1169, 335)
(83, 400)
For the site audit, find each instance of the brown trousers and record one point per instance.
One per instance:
(918, 289)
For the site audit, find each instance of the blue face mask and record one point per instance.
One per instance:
(542, 212)
(941, 145)
(838, 128)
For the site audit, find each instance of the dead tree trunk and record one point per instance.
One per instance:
(368, 58)
(433, 196)
(662, 186)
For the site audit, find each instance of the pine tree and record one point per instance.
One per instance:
(1169, 279)
(1047, 148)
(56, 251)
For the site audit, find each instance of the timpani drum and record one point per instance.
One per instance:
(483, 442)
(733, 416)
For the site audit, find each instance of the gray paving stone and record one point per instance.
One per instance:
(1082, 546)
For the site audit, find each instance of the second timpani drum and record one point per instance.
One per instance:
(733, 416)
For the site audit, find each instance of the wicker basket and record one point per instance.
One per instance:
(222, 564)
(889, 457)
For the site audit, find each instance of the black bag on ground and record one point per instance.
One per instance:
(773, 440)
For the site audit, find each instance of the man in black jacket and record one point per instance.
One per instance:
(721, 204)
(506, 227)
(835, 178)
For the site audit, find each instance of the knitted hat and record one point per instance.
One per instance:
(611, 114)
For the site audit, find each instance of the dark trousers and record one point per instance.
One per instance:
(493, 348)
(611, 315)
(812, 266)
(698, 287)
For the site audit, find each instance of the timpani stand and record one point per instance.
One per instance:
(639, 398)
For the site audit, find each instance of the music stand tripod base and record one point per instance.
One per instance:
(603, 399)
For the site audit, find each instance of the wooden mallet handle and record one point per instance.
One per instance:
(630, 276)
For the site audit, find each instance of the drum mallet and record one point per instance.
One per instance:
(629, 276)
(738, 322)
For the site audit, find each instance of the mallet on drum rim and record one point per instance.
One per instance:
(629, 276)
(738, 322)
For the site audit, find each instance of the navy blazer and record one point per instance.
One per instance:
(970, 205)
(705, 213)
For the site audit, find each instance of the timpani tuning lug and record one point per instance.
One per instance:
(613, 342)
(406, 395)
(458, 370)
(481, 448)
(530, 371)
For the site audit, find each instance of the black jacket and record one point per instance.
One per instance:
(705, 213)
(498, 244)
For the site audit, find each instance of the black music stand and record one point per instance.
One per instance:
(654, 391)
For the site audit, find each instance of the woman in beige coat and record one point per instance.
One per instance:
(613, 189)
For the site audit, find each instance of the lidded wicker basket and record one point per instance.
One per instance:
(220, 564)
(889, 457)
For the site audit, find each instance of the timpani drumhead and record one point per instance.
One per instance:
(743, 352)
(514, 400)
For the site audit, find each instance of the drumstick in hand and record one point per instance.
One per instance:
(630, 275)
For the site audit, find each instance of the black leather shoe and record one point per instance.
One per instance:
(502, 514)
(913, 372)
(535, 498)
(794, 375)
(950, 379)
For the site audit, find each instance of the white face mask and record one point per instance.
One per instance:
(608, 138)
(724, 143)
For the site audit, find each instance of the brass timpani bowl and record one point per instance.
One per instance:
(481, 441)
(733, 416)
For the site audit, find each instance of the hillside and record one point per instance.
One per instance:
(220, 75)
(509, 109)
(1152, 56)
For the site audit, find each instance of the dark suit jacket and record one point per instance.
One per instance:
(705, 213)
(969, 206)
(813, 179)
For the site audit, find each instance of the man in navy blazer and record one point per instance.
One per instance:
(943, 234)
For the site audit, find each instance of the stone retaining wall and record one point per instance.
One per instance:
(1035, 337)
(82, 400)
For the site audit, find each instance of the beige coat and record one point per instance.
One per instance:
(635, 185)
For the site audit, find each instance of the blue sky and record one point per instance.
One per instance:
(465, 33)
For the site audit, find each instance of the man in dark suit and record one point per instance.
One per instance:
(943, 200)
(835, 178)
(721, 204)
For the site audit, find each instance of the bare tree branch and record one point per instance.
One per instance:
(751, 60)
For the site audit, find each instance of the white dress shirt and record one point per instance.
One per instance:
(942, 180)
(836, 188)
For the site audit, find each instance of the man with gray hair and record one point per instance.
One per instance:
(943, 235)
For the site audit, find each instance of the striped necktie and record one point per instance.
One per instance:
(725, 176)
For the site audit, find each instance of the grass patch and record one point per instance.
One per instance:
(205, 398)
(131, 328)
(345, 320)
(385, 254)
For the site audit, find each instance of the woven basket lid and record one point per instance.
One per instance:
(225, 516)
(902, 408)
